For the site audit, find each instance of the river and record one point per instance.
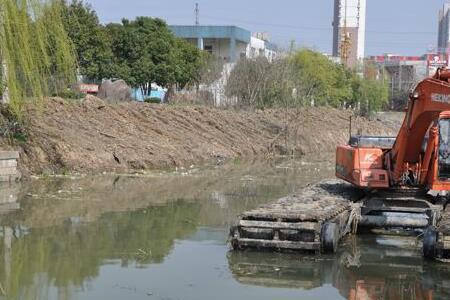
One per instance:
(163, 235)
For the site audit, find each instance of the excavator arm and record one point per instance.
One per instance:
(428, 108)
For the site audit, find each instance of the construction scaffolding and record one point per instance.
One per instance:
(349, 31)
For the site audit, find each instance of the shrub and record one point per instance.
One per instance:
(69, 94)
(152, 100)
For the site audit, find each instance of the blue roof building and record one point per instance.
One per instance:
(227, 42)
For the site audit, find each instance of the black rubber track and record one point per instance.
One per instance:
(429, 243)
(330, 238)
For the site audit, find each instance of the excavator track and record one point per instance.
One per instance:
(406, 211)
(314, 219)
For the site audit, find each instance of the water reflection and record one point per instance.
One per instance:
(9, 197)
(69, 255)
(365, 268)
(112, 237)
(61, 232)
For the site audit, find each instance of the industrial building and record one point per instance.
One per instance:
(349, 26)
(227, 42)
(404, 72)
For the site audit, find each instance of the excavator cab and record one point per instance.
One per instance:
(438, 150)
(444, 150)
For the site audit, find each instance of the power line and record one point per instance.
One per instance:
(250, 22)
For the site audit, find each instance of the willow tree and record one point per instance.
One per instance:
(36, 53)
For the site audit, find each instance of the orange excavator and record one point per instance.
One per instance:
(400, 185)
(407, 178)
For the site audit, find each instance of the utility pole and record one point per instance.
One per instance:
(197, 15)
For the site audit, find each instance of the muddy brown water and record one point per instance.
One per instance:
(163, 236)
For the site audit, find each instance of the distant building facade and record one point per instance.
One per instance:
(229, 43)
(349, 26)
(404, 72)
(444, 29)
(261, 47)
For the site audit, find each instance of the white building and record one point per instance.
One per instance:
(349, 26)
(260, 46)
(229, 43)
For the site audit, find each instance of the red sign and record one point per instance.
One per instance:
(393, 58)
(437, 60)
(88, 88)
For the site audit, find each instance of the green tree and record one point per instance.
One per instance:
(90, 39)
(36, 53)
(302, 78)
(373, 95)
(320, 79)
(186, 61)
(145, 52)
(305, 77)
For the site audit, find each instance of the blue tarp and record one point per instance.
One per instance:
(137, 94)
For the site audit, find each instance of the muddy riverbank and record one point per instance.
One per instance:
(94, 136)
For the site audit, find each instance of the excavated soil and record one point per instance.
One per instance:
(320, 201)
(94, 136)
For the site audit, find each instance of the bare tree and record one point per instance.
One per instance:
(249, 82)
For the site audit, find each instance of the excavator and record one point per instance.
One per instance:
(398, 185)
(407, 178)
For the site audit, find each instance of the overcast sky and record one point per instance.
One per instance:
(406, 27)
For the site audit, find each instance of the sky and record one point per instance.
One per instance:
(406, 27)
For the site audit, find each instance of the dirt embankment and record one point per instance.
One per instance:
(93, 136)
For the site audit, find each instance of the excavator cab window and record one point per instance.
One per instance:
(444, 149)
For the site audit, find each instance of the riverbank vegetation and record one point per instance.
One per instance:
(141, 52)
(305, 78)
(37, 56)
(44, 44)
